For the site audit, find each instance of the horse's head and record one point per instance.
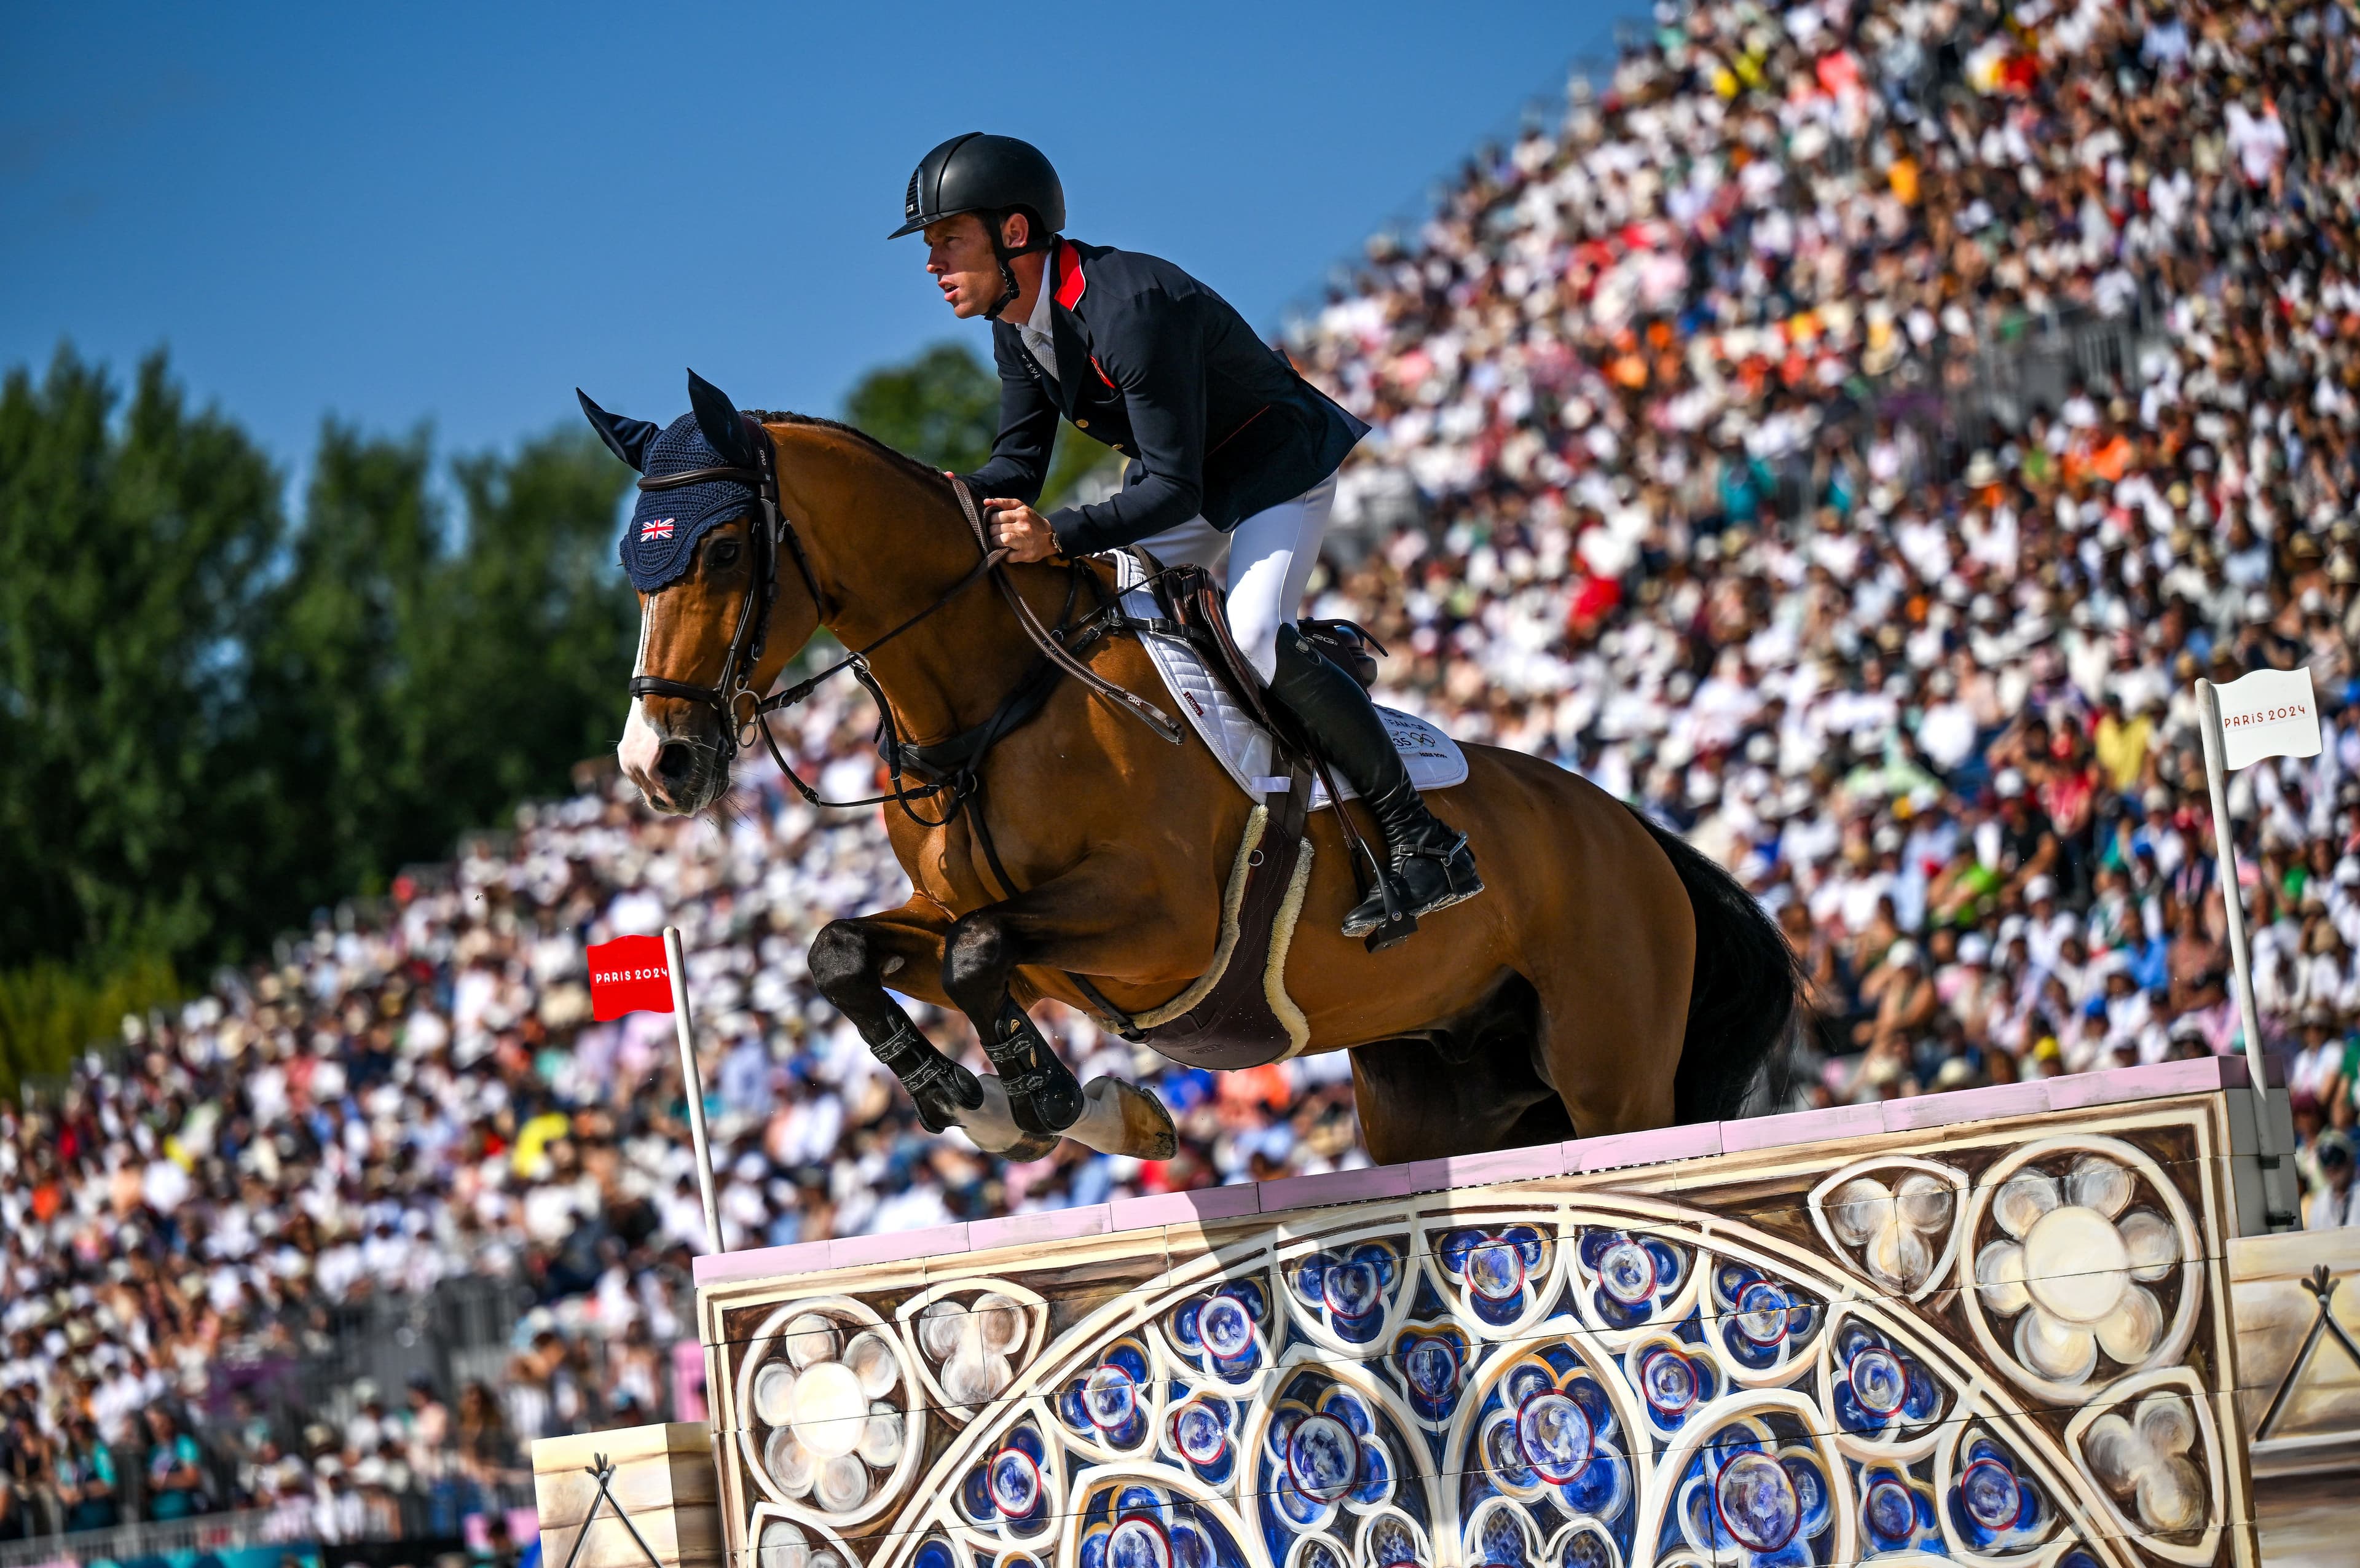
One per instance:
(720, 611)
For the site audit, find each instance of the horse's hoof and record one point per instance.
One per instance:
(1123, 1118)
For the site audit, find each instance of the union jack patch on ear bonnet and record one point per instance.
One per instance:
(666, 524)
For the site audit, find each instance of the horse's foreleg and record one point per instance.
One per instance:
(980, 954)
(1056, 925)
(850, 962)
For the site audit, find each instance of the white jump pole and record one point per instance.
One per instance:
(2216, 777)
(693, 1083)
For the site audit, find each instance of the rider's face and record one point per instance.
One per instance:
(958, 256)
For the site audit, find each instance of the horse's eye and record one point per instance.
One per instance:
(725, 553)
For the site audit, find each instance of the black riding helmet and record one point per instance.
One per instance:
(992, 175)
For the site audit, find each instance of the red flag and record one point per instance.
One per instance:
(629, 974)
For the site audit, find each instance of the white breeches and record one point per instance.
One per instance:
(1263, 562)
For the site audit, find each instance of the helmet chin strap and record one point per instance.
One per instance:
(1008, 287)
(1009, 290)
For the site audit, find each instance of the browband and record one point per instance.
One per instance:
(752, 476)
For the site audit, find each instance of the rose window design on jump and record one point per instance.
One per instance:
(2154, 1450)
(1994, 1504)
(1897, 1511)
(1222, 1333)
(1895, 1220)
(1497, 1273)
(1629, 1280)
(1757, 1492)
(1676, 1380)
(1765, 1323)
(1548, 1436)
(971, 1346)
(1137, 1526)
(1877, 1389)
(828, 1395)
(1327, 1452)
(1347, 1290)
(1430, 1360)
(1111, 1404)
(1011, 1491)
(2078, 1264)
(2143, 1456)
(1578, 1383)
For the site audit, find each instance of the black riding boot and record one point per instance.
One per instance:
(1428, 866)
(1043, 1096)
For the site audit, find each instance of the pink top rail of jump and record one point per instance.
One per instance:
(1616, 1151)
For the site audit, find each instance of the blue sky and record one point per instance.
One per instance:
(456, 214)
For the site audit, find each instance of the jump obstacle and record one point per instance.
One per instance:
(2040, 1325)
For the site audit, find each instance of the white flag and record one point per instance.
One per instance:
(2270, 712)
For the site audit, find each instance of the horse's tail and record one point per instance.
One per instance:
(1742, 1000)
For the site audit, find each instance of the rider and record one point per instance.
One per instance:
(1233, 456)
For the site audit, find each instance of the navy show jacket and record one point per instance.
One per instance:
(1166, 371)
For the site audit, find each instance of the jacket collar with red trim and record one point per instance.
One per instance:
(1071, 283)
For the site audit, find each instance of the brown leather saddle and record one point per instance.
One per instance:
(1234, 1024)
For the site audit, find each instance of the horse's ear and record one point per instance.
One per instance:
(717, 417)
(627, 439)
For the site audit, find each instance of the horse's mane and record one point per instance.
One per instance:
(900, 458)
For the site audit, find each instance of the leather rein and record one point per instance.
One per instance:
(952, 765)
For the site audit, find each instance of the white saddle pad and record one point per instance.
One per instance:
(1434, 759)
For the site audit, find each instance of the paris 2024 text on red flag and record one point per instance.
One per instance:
(629, 975)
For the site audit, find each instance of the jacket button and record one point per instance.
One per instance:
(1081, 424)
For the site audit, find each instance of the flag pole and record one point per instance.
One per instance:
(2208, 706)
(692, 1084)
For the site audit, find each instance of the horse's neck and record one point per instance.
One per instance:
(949, 671)
(889, 546)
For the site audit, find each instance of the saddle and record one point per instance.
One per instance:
(1237, 1014)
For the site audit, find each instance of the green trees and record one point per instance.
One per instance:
(134, 569)
(216, 718)
(213, 722)
(942, 407)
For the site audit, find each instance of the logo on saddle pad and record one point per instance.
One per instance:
(660, 529)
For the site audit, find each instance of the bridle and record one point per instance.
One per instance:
(743, 712)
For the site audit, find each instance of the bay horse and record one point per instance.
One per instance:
(1610, 979)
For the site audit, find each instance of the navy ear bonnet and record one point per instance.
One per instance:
(666, 524)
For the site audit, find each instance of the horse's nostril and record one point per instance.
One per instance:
(673, 762)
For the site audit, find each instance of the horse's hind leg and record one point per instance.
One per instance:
(850, 962)
(1468, 1086)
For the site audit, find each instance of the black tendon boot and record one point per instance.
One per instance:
(1043, 1096)
(1428, 866)
(941, 1087)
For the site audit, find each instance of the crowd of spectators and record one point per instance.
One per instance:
(1724, 412)
(1692, 469)
(416, 1092)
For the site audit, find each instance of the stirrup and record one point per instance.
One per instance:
(1390, 917)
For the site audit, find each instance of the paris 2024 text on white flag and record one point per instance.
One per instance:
(2270, 712)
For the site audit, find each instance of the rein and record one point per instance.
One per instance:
(959, 756)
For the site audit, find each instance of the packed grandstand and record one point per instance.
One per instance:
(1847, 437)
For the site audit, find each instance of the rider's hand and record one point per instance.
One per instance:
(1021, 531)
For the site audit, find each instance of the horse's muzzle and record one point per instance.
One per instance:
(678, 775)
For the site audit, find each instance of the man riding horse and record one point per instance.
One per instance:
(1615, 980)
(1233, 458)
